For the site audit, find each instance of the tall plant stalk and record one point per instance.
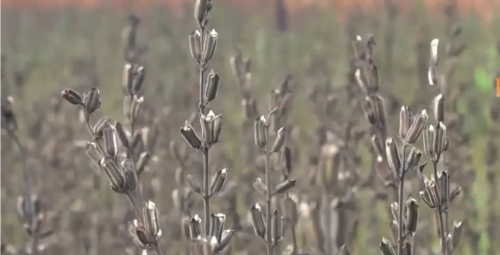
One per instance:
(205, 151)
(400, 201)
(269, 243)
(28, 207)
(202, 44)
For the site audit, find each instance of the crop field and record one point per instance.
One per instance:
(205, 127)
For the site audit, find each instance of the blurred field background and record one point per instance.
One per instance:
(51, 45)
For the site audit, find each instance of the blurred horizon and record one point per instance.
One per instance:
(484, 8)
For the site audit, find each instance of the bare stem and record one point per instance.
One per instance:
(130, 149)
(439, 211)
(441, 232)
(206, 195)
(22, 153)
(157, 249)
(137, 207)
(294, 239)
(202, 67)
(34, 245)
(269, 243)
(400, 202)
(206, 149)
(94, 136)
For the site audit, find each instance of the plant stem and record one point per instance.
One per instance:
(269, 243)
(130, 149)
(447, 196)
(94, 136)
(157, 249)
(441, 232)
(294, 240)
(133, 201)
(400, 203)
(206, 148)
(206, 195)
(439, 211)
(26, 191)
(22, 153)
(202, 67)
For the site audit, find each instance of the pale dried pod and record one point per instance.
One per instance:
(210, 45)
(189, 134)
(127, 78)
(276, 226)
(439, 108)
(193, 184)
(284, 186)
(386, 247)
(195, 44)
(142, 162)
(260, 186)
(411, 219)
(110, 142)
(404, 121)
(258, 221)
(416, 127)
(218, 181)
(393, 158)
(201, 10)
(279, 141)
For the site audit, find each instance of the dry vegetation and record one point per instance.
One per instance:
(328, 142)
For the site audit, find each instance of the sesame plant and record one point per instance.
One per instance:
(202, 44)
(29, 208)
(121, 164)
(437, 194)
(270, 230)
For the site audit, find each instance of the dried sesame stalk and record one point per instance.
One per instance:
(203, 44)
(269, 242)
(439, 211)
(400, 201)
(103, 152)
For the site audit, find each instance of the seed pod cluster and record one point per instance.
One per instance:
(123, 179)
(435, 141)
(271, 229)
(216, 239)
(91, 101)
(211, 128)
(364, 72)
(30, 211)
(110, 139)
(416, 125)
(146, 231)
